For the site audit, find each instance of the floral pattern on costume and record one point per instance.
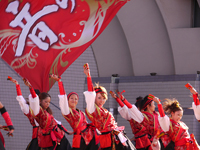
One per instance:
(73, 119)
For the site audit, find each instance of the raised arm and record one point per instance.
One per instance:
(33, 98)
(134, 113)
(63, 101)
(196, 103)
(86, 70)
(90, 94)
(22, 102)
(162, 118)
(122, 109)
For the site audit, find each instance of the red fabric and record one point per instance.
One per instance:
(19, 93)
(93, 128)
(161, 111)
(7, 119)
(105, 140)
(178, 133)
(47, 123)
(2, 139)
(103, 120)
(153, 127)
(78, 122)
(195, 144)
(30, 116)
(89, 84)
(45, 141)
(61, 88)
(34, 133)
(196, 99)
(32, 92)
(36, 42)
(182, 142)
(76, 142)
(141, 138)
(119, 102)
(127, 103)
(142, 142)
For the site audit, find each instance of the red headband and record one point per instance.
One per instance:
(71, 94)
(99, 90)
(147, 103)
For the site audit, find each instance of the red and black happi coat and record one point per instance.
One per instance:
(48, 131)
(31, 118)
(141, 138)
(153, 127)
(178, 132)
(102, 119)
(77, 120)
(105, 123)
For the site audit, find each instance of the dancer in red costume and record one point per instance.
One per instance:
(50, 137)
(142, 141)
(33, 145)
(112, 137)
(175, 128)
(9, 126)
(85, 135)
(149, 119)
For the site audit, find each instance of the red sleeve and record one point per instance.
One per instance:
(127, 103)
(196, 99)
(119, 102)
(18, 89)
(90, 85)
(32, 92)
(6, 117)
(161, 111)
(61, 88)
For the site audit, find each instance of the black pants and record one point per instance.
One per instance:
(170, 146)
(33, 145)
(1, 145)
(144, 148)
(91, 146)
(64, 145)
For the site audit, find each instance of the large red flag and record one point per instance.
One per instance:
(40, 37)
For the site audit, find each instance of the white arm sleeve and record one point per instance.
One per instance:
(135, 114)
(34, 104)
(164, 122)
(90, 101)
(196, 110)
(58, 122)
(124, 112)
(63, 102)
(36, 123)
(22, 102)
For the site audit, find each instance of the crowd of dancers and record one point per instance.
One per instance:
(152, 130)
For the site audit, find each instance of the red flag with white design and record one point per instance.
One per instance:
(38, 38)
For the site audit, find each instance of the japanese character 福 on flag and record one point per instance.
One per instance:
(38, 38)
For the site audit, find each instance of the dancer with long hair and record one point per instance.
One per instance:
(173, 126)
(33, 145)
(112, 136)
(148, 117)
(85, 135)
(51, 136)
(142, 141)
